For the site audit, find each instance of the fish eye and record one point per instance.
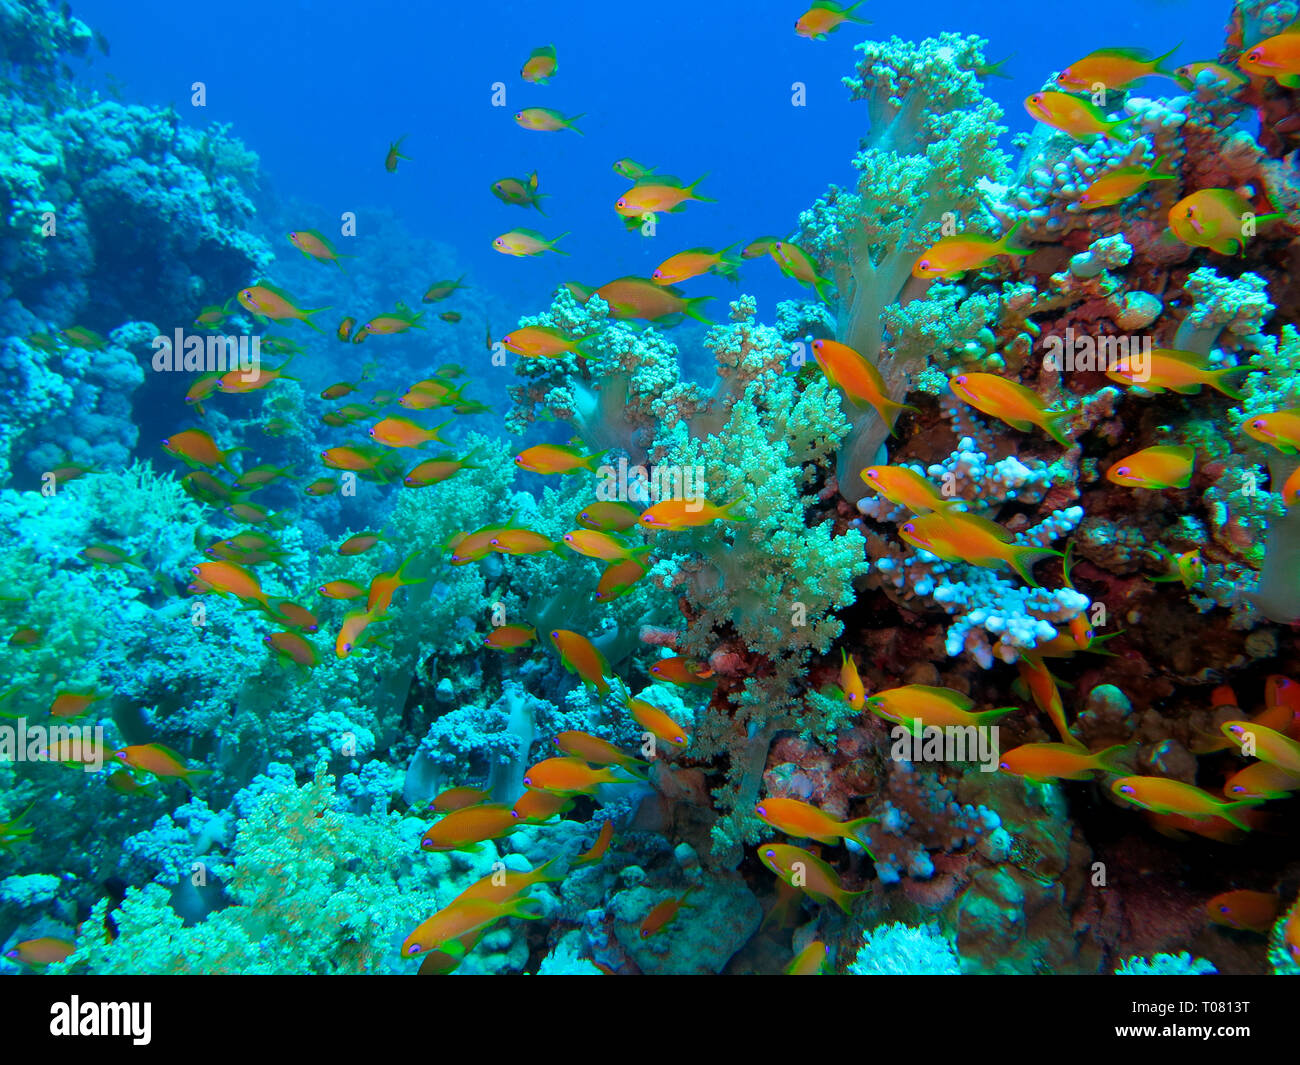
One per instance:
(1004, 765)
(925, 264)
(528, 780)
(909, 528)
(1123, 471)
(769, 853)
(1127, 789)
(1258, 423)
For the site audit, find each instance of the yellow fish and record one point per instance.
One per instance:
(958, 537)
(1278, 428)
(905, 488)
(857, 379)
(1081, 119)
(523, 242)
(1115, 68)
(544, 120)
(1183, 372)
(540, 65)
(267, 301)
(1218, 219)
(825, 16)
(953, 256)
(917, 705)
(1165, 466)
(1117, 185)
(579, 655)
(1020, 407)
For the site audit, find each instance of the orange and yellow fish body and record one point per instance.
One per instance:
(394, 153)
(544, 342)
(905, 488)
(435, 471)
(1041, 762)
(351, 635)
(536, 806)
(1081, 119)
(1163, 796)
(1278, 428)
(608, 516)
(1252, 911)
(598, 849)
(544, 120)
(500, 886)
(524, 242)
(73, 704)
(556, 458)
(267, 301)
(341, 590)
(918, 705)
(156, 759)
(1218, 219)
(953, 256)
(674, 515)
(383, 586)
(1018, 406)
(443, 931)
(459, 799)
(1113, 68)
(402, 432)
(540, 65)
(579, 655)
(1266, 744)
(695, 262)
(1276, 57)
(463, 829)
(664, 914)
(569, 776)
(41, 952)
(1260, 780)
(855, 694)
(805, 821)
(1155, 468)
(825, 16)
(956, 536)
(595, 750)
(656, 722)
(811, 961)
(289, 647)
(471, 547)
(807, 872)
(196, 448)
(1120, 183)
(601, 545)
(654, 194)
(510, 637)
(1183, 372)
(1042, 688)
(856, 378)
(681, 671)
(640, 298)
(230, 578)
(619, 578)
(315, 246)
(1190, 72)
(514, 541)
(796, 263)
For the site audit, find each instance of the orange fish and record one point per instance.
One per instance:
(823, 17)
(156, 759)
(402, 432)
(1155, 468)
(1113, 68)
(1259, 780)
(459, 798)
(464, 828)
(359, 543)
(1163, 796)
(804, 821)
(1018, 406)
(618, 579)
(579, 655)
(810, 961)
(1266, 744)
(850, 683)
(1122, 182)
(656, 722)
(1252, 911)
(383, 586)
(554, 458)
(230, 578)
(73, 704)
(267, 301)
(955, 536)
(953, 256)
(1081, 119)
(609, 516)
(664, 913)
(43, 951)
(540, 65)
(569, 776)
(693, 263)
(1041, 762)
(341, 590)
(905, 488)
(598, 849)
(544, 342)
(654, 194)
(807, 872)
(1042, 688)
(601, 545)
(674, 515)
(443, 931)
(860, 382)
(196, 448)
(512, 541)
(1183, 372)
(290, 647)
(351, 633)
(641, 298)
(1276, 57)
(536, 806)
(510, 637)
(681, 671)
(915, 705)
(595, 750)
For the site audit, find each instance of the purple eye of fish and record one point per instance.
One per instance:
(1004, 765)
(1127, 789)
(1123, 471)
(414, 948)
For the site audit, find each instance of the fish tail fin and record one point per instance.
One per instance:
(1114, 130)
(1218, 379)
(984, 717)
(557, 240)
(891, 412)
(1156, 174)
(726, 513)
(823, 287)
(1156, 68)
(1107, 760)
(306, 318)
(692, 308)
(1022, 560)
(691, 189)
(1054, 426)
(571, 121)
(1005, 245)
(854, 827)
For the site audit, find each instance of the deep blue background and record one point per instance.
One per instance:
(319, 90)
